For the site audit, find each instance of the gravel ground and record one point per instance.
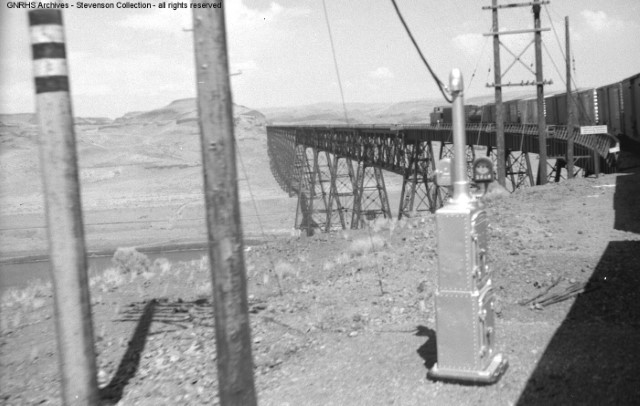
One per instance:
(348, 318)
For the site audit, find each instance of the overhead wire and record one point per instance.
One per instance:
(566, 59)
(440, 84)
(473, 75)
(253, 200)
(555, 33)
(554, 63)
(573, 96)
(335, 61)
(553, 27)
(344, 106)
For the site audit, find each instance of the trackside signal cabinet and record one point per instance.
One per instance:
(464, 298)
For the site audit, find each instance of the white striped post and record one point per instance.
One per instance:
(59, 168)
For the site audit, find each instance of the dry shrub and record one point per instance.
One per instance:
(328, 266)
(109, 280)
(204, 290)
(30, 298)
(203, 265)
(284, 270)
(382, 223)
(111, 276)
(366, 245)
(129, 260)
(495, 191)
(161, 265)
(343, 258)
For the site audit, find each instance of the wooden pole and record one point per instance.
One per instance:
(215, 108)
(497, 74)
(542, 126)
(570, 103)
(63, 209)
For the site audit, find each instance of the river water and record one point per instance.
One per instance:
(18, 275)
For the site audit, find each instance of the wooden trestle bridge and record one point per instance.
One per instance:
(337, 171)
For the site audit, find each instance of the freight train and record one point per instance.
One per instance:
(616, 105)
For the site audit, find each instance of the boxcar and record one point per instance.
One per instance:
(436, 116)
(528, 109)
(511, 115)
(609, 107)
(560, 114)
(586, 107)
(489, 113)
(551, 109)
(631, 106)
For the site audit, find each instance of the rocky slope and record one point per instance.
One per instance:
(348, 318)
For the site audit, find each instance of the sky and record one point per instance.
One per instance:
(125, 60)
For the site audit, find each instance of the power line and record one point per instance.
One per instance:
(253, 200)
(335, 61)
(565, 57)
(554, 63)
(440, 84)
(555, 33)
(477, 62)
(580, 106)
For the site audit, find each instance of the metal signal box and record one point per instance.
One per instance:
(462, 248)
(464, 297)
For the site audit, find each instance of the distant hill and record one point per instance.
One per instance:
(150, 152)
(184, 111)
(21, 118)
(415, 111)
(30, 118)
(92, 120)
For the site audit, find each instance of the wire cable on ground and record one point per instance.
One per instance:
(440, 84)
(335, 61)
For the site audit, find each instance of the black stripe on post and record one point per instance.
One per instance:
(41, 17)
(47, 84)
(48, 50)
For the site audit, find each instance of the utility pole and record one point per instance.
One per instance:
(65, 231)
(542, 124)
(226, 253)
(495, 33)
(497, 74)
(570, 104)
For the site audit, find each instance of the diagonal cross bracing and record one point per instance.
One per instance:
(303, 161)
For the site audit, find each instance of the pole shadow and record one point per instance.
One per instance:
(594, 357)
(112, 393)
(177, 314)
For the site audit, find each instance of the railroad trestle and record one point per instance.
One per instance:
(337, 171)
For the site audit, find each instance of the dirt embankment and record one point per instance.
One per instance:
(348, 318)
